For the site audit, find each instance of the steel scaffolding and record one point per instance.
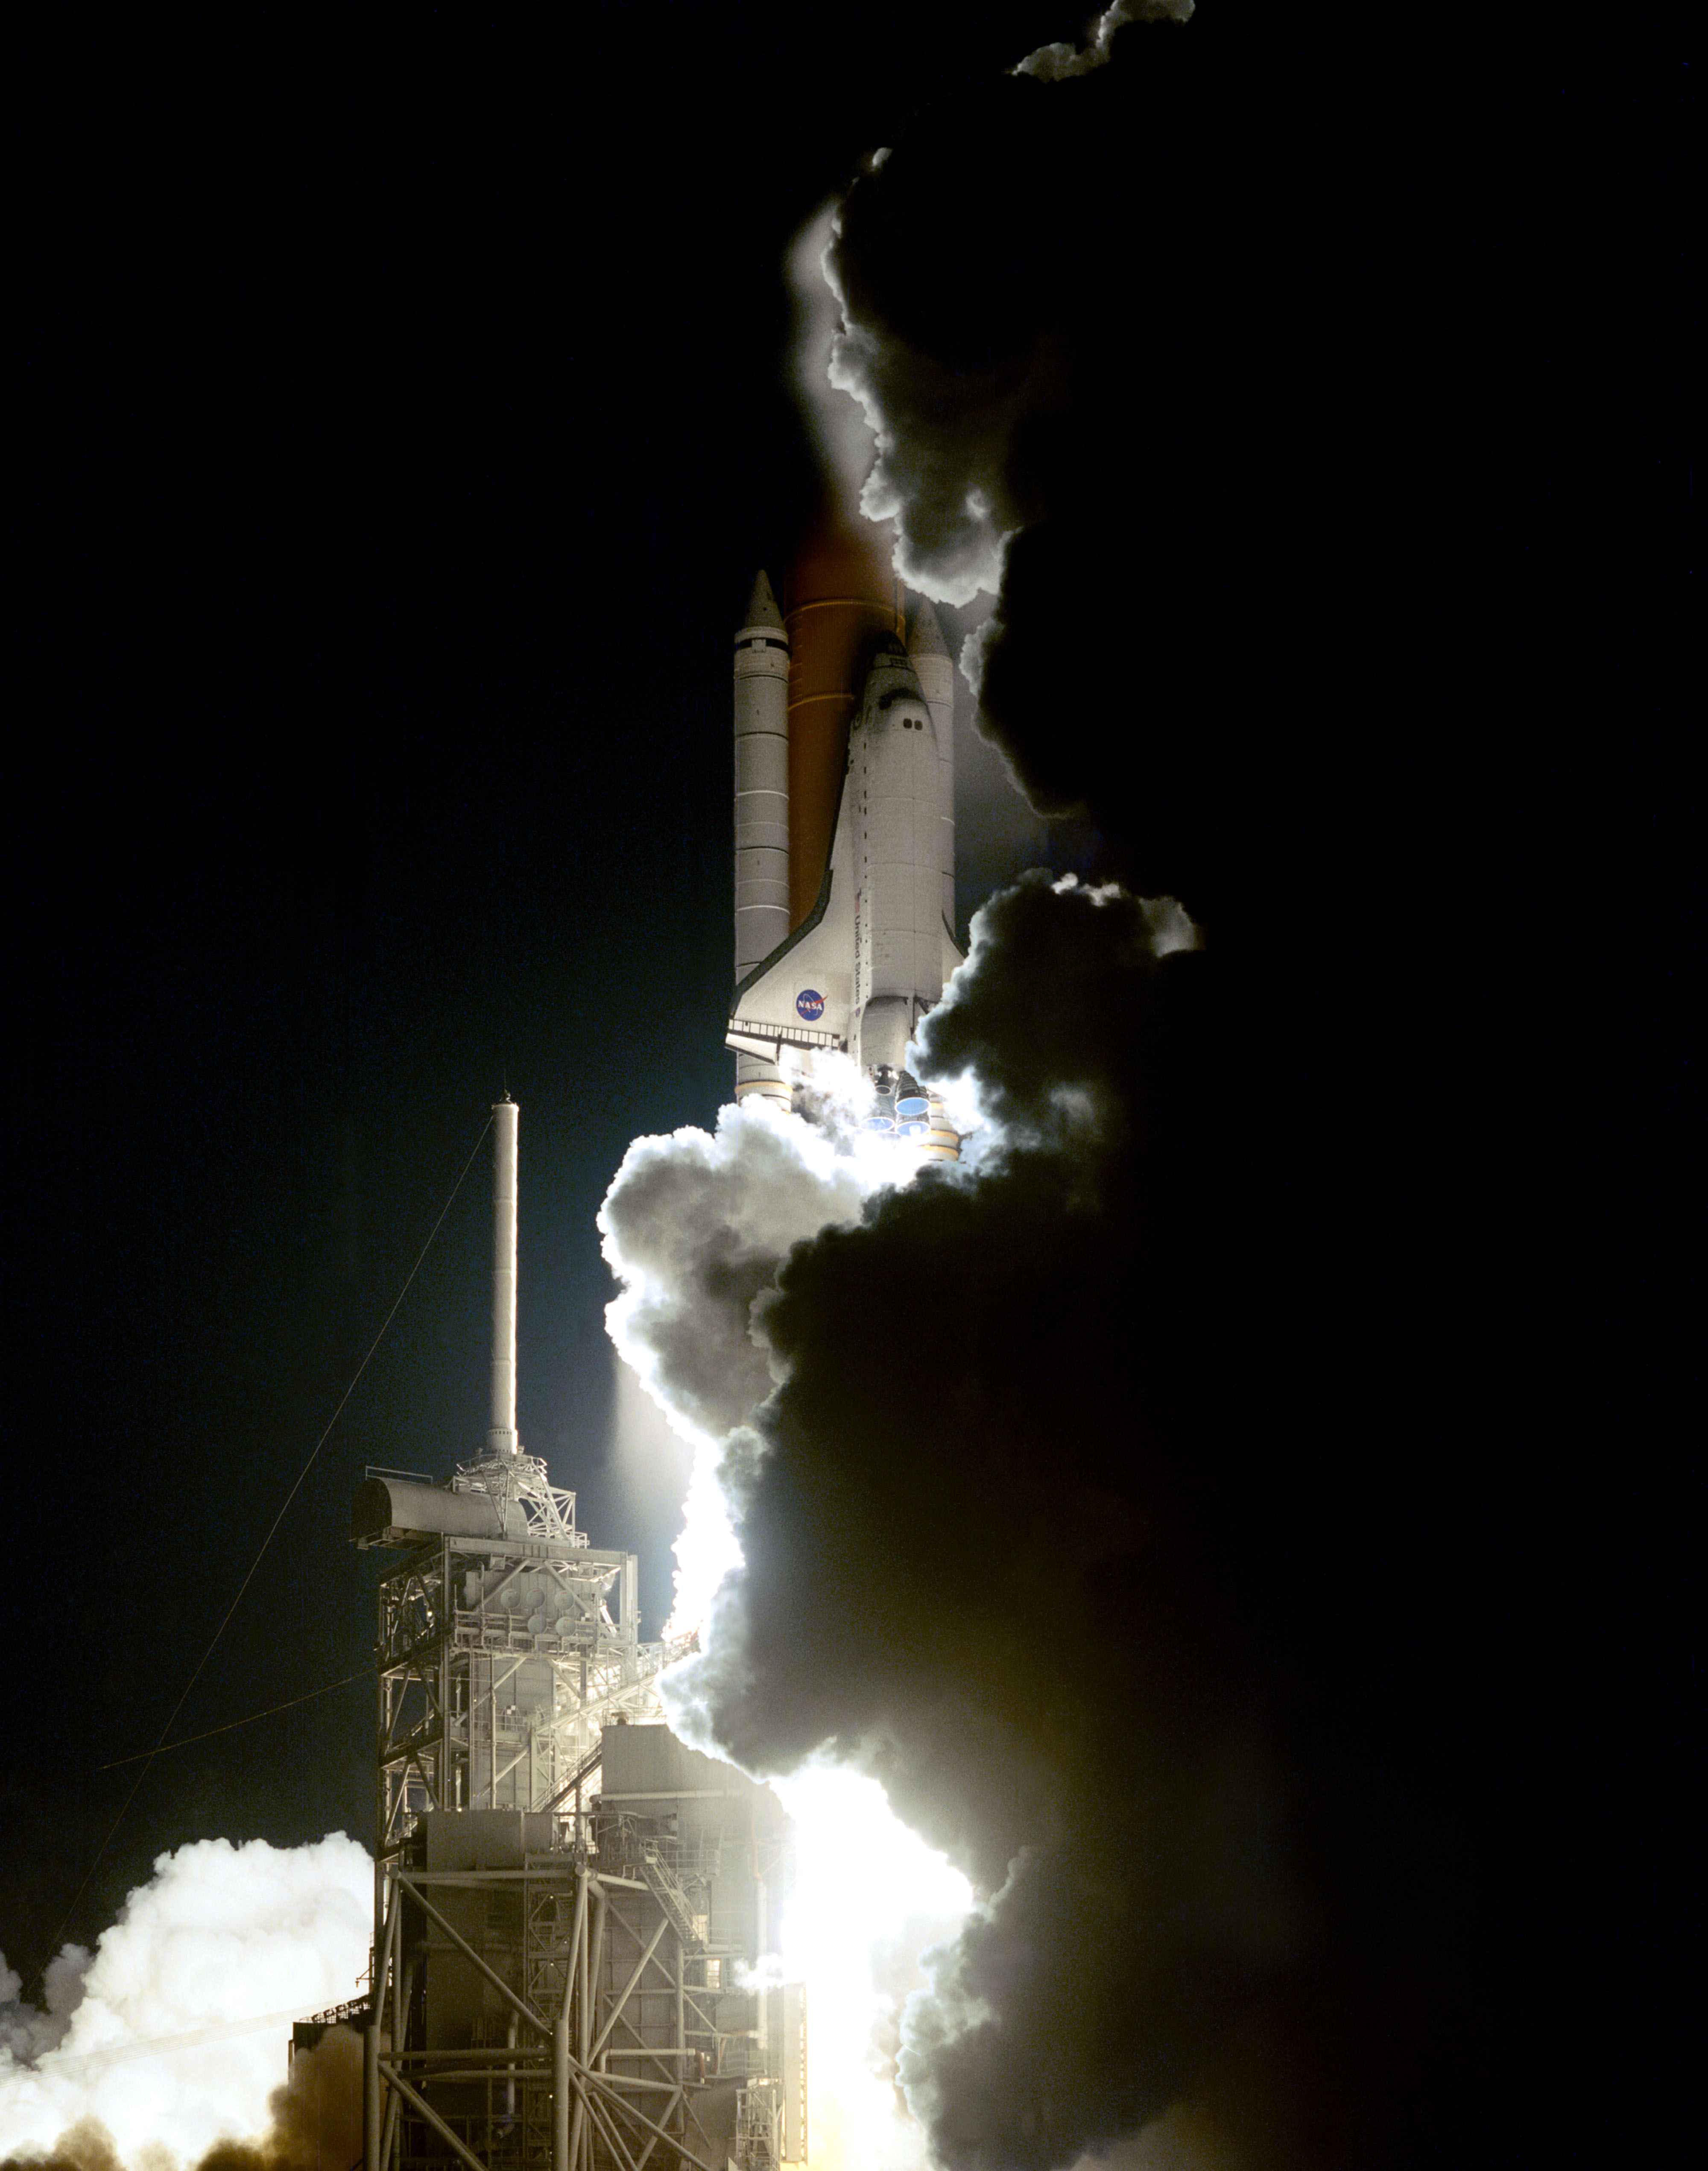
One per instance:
(570, 1905)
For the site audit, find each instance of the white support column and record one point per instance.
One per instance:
(500, 1438)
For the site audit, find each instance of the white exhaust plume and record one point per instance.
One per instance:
(887, 1390)
(707, 1234)
(695, 1226)
(171, 2035)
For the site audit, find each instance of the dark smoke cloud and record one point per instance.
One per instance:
(1093, 391)
(988, 1555)
(317, 2114)
(1174, 1514)
(86, 2146)
(1122, 374)
(1075, 964)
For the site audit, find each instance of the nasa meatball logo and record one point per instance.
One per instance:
(810, 1003)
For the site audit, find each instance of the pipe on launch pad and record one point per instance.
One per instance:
(501, 1439)
(386, 1509)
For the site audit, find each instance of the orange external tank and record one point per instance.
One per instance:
(839, 598)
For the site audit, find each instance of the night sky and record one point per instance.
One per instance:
(404, 419)
(407, 419)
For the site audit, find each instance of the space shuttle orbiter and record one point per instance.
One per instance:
(844, 831)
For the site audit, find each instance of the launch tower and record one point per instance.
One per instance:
(569, 1904)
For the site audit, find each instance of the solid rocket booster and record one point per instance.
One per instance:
(844, 828)
(762, 782)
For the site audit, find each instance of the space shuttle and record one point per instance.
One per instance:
(844, 833)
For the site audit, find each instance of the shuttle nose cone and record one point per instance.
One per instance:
(762, 606)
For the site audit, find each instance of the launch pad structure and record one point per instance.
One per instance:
(571, 1906)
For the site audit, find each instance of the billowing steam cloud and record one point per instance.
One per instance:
(165, 2041)
(1149, 1505)
(1035, 337)
(1026, 1529)
(978, 1560)
(941, 482)
(695, 1227)
(1050, 63)
(958, 377)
